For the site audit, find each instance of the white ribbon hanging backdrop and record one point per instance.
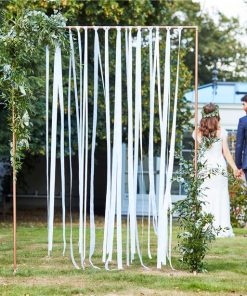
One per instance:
(79, 60)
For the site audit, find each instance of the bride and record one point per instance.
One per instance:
(217, 201)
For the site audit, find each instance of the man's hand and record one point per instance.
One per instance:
(241, 172)
(238, 173)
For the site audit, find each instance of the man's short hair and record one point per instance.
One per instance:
(244, 99)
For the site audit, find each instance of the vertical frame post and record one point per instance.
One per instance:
(14, 187)
(196, 98)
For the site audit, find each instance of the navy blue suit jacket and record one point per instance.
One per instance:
(241, 144)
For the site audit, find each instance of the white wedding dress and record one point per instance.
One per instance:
(217, 201)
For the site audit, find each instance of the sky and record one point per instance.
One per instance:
(231, 8)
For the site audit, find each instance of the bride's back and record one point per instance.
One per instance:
(214, 153)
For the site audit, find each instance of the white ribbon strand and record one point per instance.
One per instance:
(61, 103)
(95, 110)
(57, 91)
(131, 196)
(72, 64)
(70, 165)
(138, 138)
(108, 141)
(168, 200)
(81, 147)
(162, 219)
(116, 185)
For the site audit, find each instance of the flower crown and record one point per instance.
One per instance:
(215, 113)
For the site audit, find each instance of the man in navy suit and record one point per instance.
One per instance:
(241, 144)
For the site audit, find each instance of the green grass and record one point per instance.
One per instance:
(39, 274)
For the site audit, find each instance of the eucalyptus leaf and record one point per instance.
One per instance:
(22, 90)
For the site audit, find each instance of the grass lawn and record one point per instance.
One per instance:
(38, 274)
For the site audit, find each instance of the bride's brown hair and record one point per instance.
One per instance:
(210, 121)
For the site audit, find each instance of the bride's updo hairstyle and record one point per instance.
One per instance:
(210, 120)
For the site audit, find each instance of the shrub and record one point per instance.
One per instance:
(238, 201)
(197, 229)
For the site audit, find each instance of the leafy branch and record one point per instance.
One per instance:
(196, 225)
(20, 38)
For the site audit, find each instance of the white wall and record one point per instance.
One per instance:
(229, 114)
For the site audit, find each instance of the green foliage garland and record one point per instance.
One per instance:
(20, 38)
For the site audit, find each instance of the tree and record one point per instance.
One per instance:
(219, 41)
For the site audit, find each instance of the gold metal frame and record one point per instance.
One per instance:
(110, 27)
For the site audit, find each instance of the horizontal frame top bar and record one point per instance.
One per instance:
(132, 27)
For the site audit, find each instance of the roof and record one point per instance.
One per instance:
(227, 93)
